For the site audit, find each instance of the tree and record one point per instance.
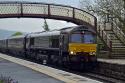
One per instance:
(108, 10)
(17, 33)
(46, 27)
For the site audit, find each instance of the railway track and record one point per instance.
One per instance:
(102, 78)
(92, 75)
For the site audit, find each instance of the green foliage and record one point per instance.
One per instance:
(5, 79)
(106, 10)
(17, 33)
(1, 81)
(46, 27)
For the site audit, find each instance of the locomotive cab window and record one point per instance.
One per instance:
(76, 38)
(89, 37)
(83, 37)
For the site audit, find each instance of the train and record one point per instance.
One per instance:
(71, 46)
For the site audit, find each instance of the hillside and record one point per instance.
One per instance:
(6, 33)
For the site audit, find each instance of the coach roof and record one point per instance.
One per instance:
(16, 37)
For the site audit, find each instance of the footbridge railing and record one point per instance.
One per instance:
(119, 33)
(105, 37)
(44, 10)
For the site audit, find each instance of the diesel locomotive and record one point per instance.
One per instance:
(71, 46)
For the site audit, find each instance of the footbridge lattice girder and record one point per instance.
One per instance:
(43, 10)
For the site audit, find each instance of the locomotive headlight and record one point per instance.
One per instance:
(71, 52)
(92, 53)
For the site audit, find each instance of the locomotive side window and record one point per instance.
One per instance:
(31, 41)
(55, 42)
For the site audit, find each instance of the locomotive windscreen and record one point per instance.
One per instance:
(83, 37)
(89, 38)
(76, 38)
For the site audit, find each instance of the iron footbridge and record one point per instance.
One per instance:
(44, 10)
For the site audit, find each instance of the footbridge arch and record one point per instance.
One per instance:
(44, 10)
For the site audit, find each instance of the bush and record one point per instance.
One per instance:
(4, 79)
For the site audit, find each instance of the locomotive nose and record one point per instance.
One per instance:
(78, 48)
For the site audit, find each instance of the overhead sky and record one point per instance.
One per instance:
(35, 24)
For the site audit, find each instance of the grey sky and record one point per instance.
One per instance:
(35, 24)
(74, 3)
(30, 24)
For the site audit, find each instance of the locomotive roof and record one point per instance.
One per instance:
(57, 32)
(80, 27)
(45, 33)
(50, 33)
(70, 28)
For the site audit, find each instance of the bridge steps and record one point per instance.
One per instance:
(118, 48)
